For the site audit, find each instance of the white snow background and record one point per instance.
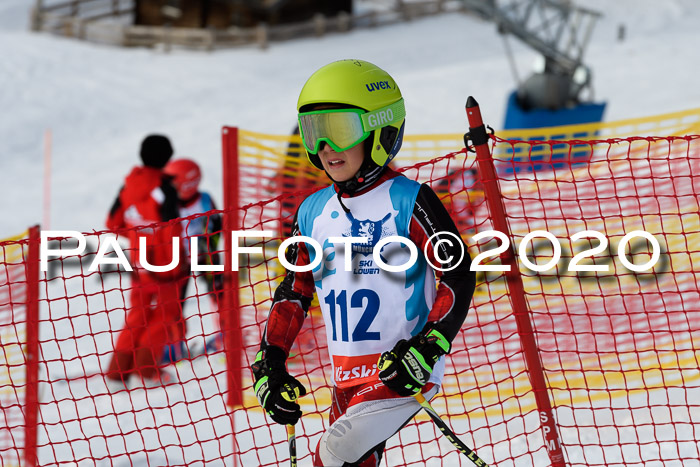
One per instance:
(100, 101)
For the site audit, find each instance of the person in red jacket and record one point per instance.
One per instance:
(145, 204)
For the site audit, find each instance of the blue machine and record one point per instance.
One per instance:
(518, 118)
(552, 96)
(519, 158)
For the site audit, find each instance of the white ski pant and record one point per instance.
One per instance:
(364, 426)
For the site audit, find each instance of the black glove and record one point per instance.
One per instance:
(276, 389)
(405, 369)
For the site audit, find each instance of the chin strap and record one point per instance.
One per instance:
(340, 200)
(368, 174)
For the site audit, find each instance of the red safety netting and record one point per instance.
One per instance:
(618, 348)
(16, 389)
(178, 417)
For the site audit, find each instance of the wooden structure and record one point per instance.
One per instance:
(196, 25)
(222, 14)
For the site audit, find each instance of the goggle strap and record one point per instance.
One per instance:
(392, 113)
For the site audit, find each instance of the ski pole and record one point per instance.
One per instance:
(291, 438)
(449, 434)
(290, 394)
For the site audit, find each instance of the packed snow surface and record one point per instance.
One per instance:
(98, 101)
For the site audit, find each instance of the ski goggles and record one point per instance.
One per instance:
(344, 128)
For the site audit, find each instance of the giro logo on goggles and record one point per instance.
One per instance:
(380, 118)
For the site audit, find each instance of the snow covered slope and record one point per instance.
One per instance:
(100, 101)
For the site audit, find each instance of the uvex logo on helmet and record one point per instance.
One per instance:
(371, 87)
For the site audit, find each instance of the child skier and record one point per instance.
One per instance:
(387, 332)
(185, 177)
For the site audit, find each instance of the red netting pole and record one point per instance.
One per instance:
(230, 313)
(479, 138)
(32, 350)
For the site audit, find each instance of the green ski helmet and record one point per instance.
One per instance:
(370, 93)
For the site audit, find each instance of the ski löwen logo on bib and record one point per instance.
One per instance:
(373, 231)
